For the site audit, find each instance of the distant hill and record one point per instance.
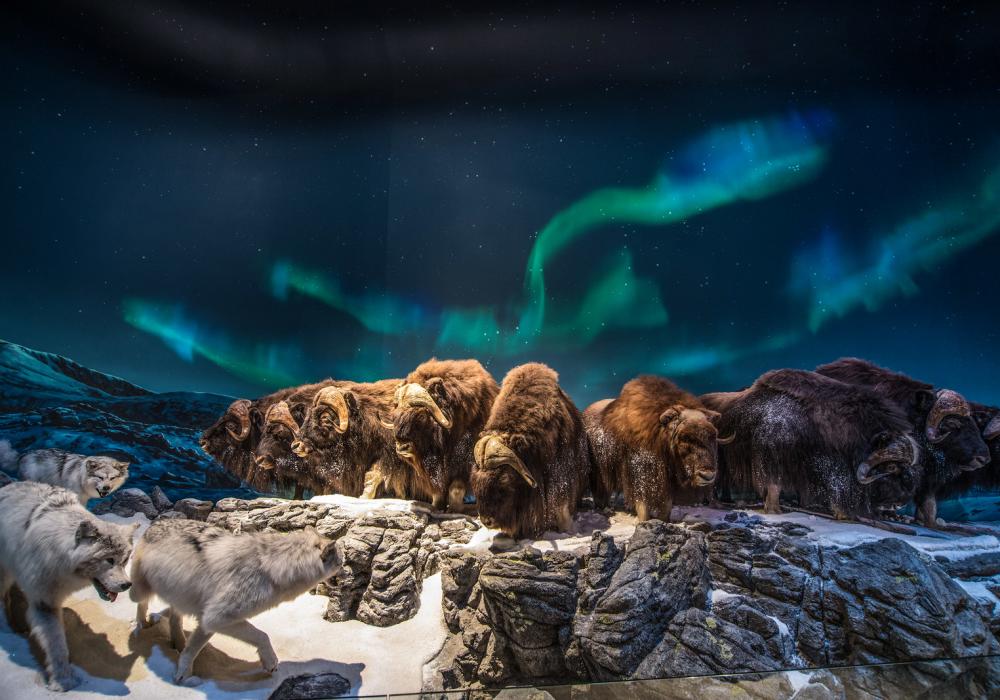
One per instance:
(48, 400)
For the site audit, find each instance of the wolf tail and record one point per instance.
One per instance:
(8, 455)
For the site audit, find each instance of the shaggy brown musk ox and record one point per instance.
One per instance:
(440, 409)
(532, 459)
(348, 449)
(838, 446)
(951, 440)
(650, 441)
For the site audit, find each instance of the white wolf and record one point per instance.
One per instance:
(223, 579)
(50, 546)
(87, 477)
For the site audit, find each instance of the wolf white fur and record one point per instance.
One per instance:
(50, 546)
(222, 579)
(87, 477)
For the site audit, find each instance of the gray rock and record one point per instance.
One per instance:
(127, 502)
(982, 565)
(311, 687)
(171, 515)
(193, 508)
(160, 500)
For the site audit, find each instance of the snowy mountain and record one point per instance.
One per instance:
(50, 401)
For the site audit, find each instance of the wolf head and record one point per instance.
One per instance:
(104, 475)
(100, 554)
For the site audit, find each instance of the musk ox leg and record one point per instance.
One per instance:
(927, 512)
(299, 492)
(772, 501)
(641, 511)
(437, 501)
(564, 519)
(456, 496)
(373, 479)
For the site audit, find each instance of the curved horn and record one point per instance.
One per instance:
(334, 398)
(241, 411)
(864, 474)
(281, 414)
(725, 440)
(415, 396)
(916, 450)
(992, 429)
(388, 425)
(490, 451)
(948, 403)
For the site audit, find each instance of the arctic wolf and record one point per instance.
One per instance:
(87, 477)
(223, 579)
(50, 546)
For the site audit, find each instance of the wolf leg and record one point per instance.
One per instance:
(176, 629)
(245, 632)
(199, 638)
(47, 627)
(456, 496)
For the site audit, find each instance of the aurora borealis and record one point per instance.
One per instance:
(706, 225)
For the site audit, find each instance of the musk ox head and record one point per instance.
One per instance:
(281, 428)
(230, 432)
(989, 425)
(889, 455)
(322, 434)
(693, 440)
(420, 423)
(506, 491)
(951, 428)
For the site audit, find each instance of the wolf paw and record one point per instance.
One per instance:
(64, 682)
(270, 664)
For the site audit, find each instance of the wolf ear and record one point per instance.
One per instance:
(86, 532)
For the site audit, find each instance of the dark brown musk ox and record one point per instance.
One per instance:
(951, 441)
(348, 449)
(532, 459)
(440, 409)
(986, 479)
(650, 442)
(833, 445)
(228, 440)
(273, 455)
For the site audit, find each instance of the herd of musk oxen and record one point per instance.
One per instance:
(850, 439)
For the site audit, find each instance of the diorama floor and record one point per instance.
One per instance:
(375, 660)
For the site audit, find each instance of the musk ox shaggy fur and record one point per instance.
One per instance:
(987, 478)
(440, 409)
(347, 447)
(951, 440)
(838, 446)
(648, 443)
(532, 458)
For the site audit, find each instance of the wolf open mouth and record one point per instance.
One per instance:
(104, 592)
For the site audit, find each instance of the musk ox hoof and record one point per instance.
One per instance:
(187, 681)
(503, 543)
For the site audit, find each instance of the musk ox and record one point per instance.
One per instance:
(440, 409)
(648, 443)
(273, 455)
(842, 447)
(228, 440)
(532, 458)
(943, 423)
(348, 449)
(987, 478)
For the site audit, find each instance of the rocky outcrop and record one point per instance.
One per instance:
(317, 686)
(674, 601)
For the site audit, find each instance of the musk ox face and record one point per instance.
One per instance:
(989, 426)
(505, 488)
(420, 423)
(230, 433)
(890, 455)
(693, 439)
(280, 430)
(951, 429)
(322, 436)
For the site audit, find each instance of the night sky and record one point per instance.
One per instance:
(822, 185)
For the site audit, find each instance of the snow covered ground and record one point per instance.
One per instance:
(375, 660)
